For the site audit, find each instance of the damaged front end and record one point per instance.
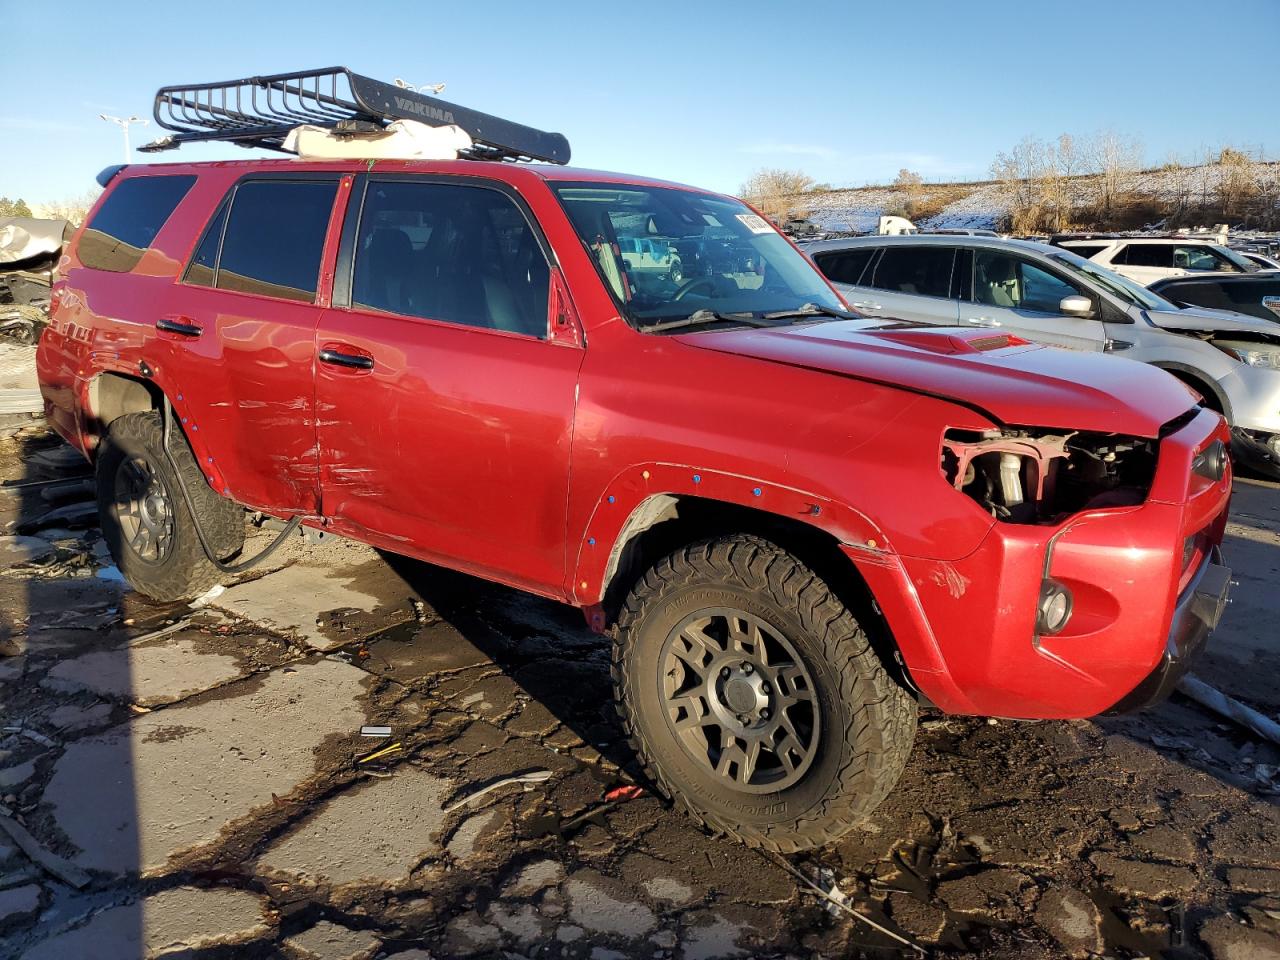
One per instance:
(1023, 475)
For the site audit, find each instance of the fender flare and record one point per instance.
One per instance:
(159, 378)
(630, 498)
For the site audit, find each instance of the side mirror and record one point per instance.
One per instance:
(1076, 306)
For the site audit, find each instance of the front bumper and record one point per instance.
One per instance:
(966, 628)
(1197, 614)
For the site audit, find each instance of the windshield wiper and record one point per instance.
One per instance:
(700, 317)
(810, 310)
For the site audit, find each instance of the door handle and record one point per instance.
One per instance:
(353, 361)
(183, 326)
(982, 321)
(864, 305)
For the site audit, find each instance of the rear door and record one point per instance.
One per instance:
(446, 396)
(914, 282)
(1019, 296)
(242, 325)
(1147, 262)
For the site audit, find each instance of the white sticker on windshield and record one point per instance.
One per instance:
(754, 223)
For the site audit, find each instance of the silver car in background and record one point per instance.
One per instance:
(1050, 295)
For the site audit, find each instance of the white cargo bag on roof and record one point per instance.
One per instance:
(399, 140)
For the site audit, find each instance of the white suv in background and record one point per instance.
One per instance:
(1148, 259)
(1048, 294)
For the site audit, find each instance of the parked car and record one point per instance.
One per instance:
(1257, 294)
(1050, 295)
(792, 521)
(1147, 259)
(1260, 260)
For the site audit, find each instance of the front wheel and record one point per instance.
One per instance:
(753, 698)
(145, 519)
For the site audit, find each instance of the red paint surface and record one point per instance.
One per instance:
(522, 460)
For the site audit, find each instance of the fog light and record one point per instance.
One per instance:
(1055, 608)
(1211, 463)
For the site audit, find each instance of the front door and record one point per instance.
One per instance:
(1021, 297)
(445, 408)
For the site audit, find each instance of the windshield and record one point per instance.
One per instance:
(668, 254)
(1241, 261)
(1113, 283)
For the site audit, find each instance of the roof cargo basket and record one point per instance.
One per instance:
(260, 112)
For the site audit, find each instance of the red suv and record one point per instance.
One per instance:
(640, 399)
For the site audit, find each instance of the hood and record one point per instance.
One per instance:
(1006, 378)
(1218, 321)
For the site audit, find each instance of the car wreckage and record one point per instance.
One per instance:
(795, 523)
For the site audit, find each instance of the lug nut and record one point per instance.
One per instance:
(747, 668)
(764, 714)
(725, 673)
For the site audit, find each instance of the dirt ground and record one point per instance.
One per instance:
(189, 780)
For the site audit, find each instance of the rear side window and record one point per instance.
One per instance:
(925, 271)
(1146, 255)
(1086, 250)
(272, 241)
(128, 221)
(845, 266)
(461, 254)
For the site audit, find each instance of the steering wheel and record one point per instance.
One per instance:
(692, 284)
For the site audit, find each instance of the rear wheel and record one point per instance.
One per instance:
(145, 519)
(753, 697)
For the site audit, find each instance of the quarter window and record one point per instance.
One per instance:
(925, 271)
(450, 252)
(128, 221)
(274, 238)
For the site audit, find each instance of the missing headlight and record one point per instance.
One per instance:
(1033, 476)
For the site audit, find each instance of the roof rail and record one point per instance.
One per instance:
(260, 112)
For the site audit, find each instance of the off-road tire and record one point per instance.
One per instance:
(868, 720)
(184, 571)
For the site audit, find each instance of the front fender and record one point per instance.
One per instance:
(627, 494)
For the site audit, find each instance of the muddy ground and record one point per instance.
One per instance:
(192, 781)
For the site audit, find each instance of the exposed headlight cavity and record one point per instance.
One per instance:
(1039, 476)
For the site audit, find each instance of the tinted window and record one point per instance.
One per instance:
(1086, 250)
(1146, 255)
(920, 270)
(1004, 281)
(205, 262)
(128, 221)
(275, 236)
(845, 266)
(457, 253)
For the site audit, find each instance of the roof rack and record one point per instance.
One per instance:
(260, 112)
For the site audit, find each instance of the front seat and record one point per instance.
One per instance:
(998, 281)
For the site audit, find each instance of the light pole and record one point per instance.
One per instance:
(123, 123)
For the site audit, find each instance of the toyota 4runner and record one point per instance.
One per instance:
(796, 524)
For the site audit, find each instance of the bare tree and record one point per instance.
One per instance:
(74, 209)
(1265, 177)
(1112, 156)
(1235, 180)
(775, 191)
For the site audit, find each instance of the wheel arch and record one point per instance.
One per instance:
(113, 394)
(666, 521)
(1203, 384)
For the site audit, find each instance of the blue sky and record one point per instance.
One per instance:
(701, 92)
